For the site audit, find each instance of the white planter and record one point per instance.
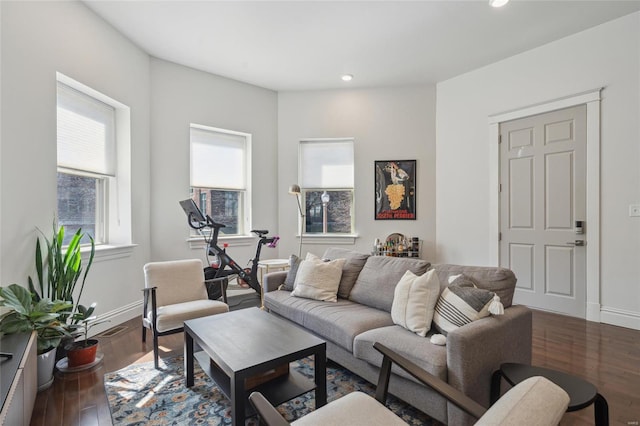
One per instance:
(46, 362)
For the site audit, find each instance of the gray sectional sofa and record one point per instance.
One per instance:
(361, 317)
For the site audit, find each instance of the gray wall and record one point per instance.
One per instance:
(38, 40)
(180, 96)
(605, 56)
(395, 123)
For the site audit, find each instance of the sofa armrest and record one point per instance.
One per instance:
(476, 350)
(273, 280)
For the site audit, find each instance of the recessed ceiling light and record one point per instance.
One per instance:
(498, 3)
(347, 77)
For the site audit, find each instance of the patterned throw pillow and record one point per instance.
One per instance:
(458, 306)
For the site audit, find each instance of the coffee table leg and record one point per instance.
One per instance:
(238, 396)
(188, 359)
(320, 369)
(601, 411)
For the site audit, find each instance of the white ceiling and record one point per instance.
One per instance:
(301, 45)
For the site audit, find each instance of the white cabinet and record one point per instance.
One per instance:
(19, 379)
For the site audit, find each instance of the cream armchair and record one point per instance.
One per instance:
(535, 401)
(175, 291)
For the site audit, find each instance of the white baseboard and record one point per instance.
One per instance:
(593, 312)
(117, 316)
(620, 317)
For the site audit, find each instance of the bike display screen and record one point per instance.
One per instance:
(192, 211)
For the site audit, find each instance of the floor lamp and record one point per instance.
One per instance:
(295, 190)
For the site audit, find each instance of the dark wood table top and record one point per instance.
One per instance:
(240, 340)
(581, 392)
(15, 344)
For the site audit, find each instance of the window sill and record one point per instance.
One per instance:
(106, 252)
(329, 238)
(240, 240)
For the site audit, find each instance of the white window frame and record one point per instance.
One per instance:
(329, 238)
(245, 212)
(113, 200)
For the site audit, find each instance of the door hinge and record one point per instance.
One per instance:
(499, 139)
(499, 236)
(499, 187)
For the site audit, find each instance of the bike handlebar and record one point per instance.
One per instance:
(209, 223)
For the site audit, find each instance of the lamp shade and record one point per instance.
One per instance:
(294, 189)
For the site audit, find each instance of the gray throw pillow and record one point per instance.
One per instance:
(462, 280)
(289, 281)
(354, 263)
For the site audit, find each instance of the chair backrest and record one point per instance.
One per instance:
(534, 401)
(177, 281)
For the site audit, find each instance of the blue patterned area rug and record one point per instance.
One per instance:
(141, 395)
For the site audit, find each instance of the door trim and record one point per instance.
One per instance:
(592, 100)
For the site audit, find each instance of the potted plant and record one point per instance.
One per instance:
(40, 315)
(83, 351)
(59, 268)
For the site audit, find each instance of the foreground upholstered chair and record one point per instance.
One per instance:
(535, 401)
(175, 291)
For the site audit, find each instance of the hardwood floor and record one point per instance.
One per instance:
(605, 355)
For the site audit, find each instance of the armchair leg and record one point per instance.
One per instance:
(155, 350)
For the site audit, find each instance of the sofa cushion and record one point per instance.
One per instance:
(354, 263)
(338, 322)
(414, 301)
(377, 280)
(501, 281)
(432, 358)
(290, 307)
(318, 280)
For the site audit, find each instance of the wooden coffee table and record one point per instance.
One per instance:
(250, 343)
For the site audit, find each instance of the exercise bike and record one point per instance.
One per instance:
(226, 266)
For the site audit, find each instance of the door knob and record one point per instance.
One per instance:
(577, 243)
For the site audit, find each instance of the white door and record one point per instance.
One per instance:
(542, 196)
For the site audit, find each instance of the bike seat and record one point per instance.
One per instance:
(260, 232)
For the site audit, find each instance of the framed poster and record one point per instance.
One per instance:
(395, 186)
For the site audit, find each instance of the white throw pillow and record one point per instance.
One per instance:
(318, 280)
(414, 301)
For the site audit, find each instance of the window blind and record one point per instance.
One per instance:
(218, 160)
(326, 164)
(86, 132)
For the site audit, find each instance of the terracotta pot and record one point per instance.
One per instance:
(78, 354)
